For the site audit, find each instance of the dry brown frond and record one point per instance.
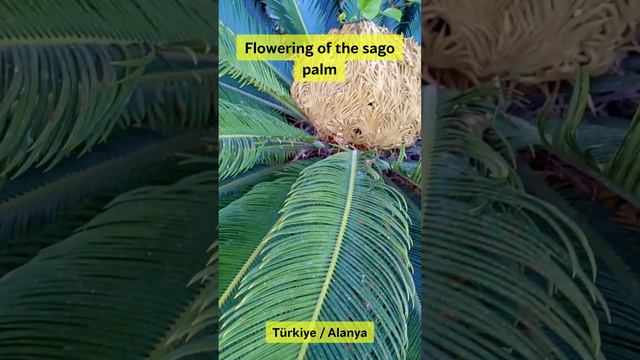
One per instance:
(378, 106)
(529, 41)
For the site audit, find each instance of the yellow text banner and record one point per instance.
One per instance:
(320, 57)
(320, 332)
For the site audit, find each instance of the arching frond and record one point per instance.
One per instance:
(256, 73)
(251, 136)
(103, 292)
(44, 119)
(623, 167)
(341, 241)
(304, 16)
(230, 87)
(611, 152)
(617, 267)
(37, 198)
(69, 22)
(248, 17)
(489, 261)
(64, 87)
(261, 207)
(170, 99)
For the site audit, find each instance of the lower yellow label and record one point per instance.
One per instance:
(320, 332)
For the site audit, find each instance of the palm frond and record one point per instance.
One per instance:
(260, 206)
(251, 136)
(341, 242)
(195, 332)
(191, 334)
(564, 139)
(617, 271)
(247, 17)
(497, 284)
(159, 22)
(256, 73)
(415, 253)
(106, 287)
(231, 189)
(18, 248)
(611, 153)
(37, 198)
(91, 70)
(411, 25)
(230, 87)
(44, 119)
(170, 100)
(624, 168)
(304, 16)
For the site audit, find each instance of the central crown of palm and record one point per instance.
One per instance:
(378, 104)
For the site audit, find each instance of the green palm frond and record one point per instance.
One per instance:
(341, 241)
(303, 16)
(107, 22)
(236, 239)
(194, 334)
(623, 168)
(289, 14)
(231, 189)
(169, 99)
(70, 68)
(564, 139)
(606, 151)
(24, 207)
(76, 109)
(58, 214)
(414, 325)
(255, 73)
(251, 136)
(45, 119)
(261, 205)
(103, 292)
(498, 285)
(617, 271)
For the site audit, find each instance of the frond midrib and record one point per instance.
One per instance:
(337, 248)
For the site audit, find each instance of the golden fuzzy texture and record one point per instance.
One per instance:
(530, 41)
(377, 107)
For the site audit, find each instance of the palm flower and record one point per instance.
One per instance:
(472, 41)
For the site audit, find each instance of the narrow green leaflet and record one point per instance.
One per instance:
(251, 136)
(256, 73)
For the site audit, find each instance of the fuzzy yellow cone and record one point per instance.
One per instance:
(530, 41)
(376, 107)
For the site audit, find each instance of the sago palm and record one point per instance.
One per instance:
(329, 238)
(311, 230)
(107, 237)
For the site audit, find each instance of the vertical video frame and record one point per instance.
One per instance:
(320, 166)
